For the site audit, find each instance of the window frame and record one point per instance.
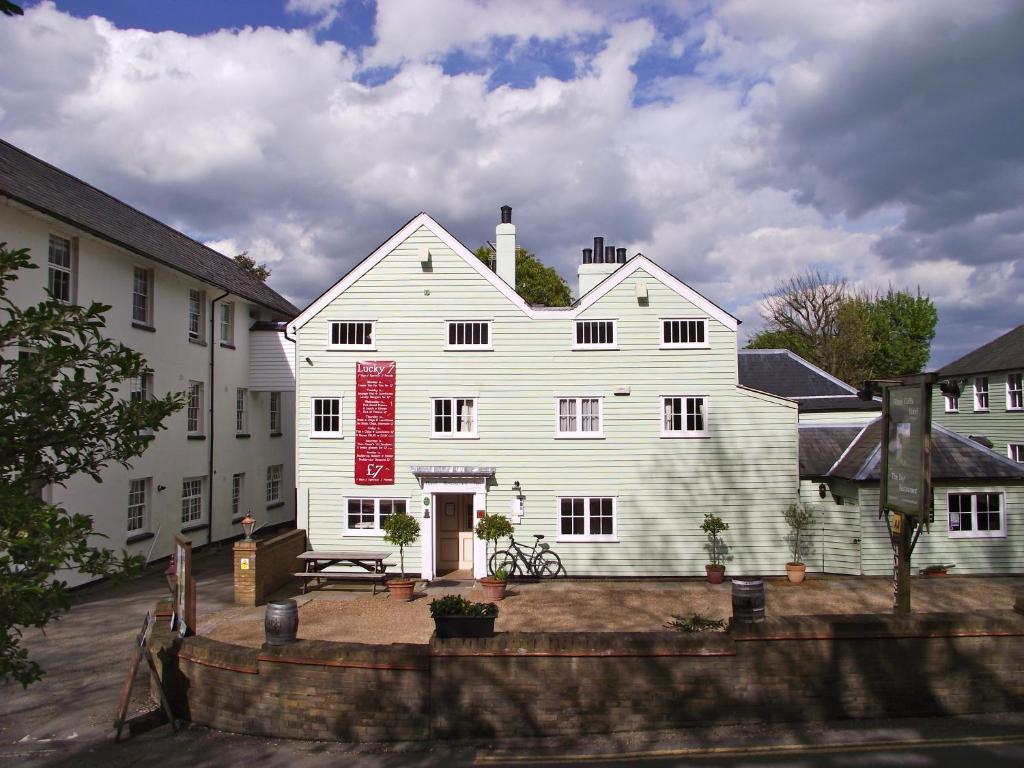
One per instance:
(330, 434)
(951, 403)
(1018, 390)
(449, 347)
(227, 312)
(271, 480)
(147, 319)
(237, 496)
(70, 270)
(241, 411)
(199, 336)
(987, 392)
(974, 533)
(473, 435)
(685, 433)
(330, 335)
(274, 414)
(614, 344)
(706, 344)
(376, 531)
(579, 433)
(199, 498)
(144, 516)
(141, 388)
(1019, 458)
(570, 538)
(195, 387)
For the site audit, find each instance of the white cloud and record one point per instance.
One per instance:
(265, 140)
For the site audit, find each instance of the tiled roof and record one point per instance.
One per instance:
(954, 457)
(998, 355)
(51, 191)
(784, 373)
(821, 445)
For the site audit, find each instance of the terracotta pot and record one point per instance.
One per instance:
(494, 589)
(716, 573)
(796, 572)
(401, 590)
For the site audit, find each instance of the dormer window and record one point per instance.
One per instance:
(351, 334)
(684, 333)
(596, 334)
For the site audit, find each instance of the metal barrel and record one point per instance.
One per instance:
(747, 601)
(281, 623)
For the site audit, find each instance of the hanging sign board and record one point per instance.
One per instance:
(906, 464)
(375, 422)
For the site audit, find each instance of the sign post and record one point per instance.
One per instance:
(906, 477)
(184, 618)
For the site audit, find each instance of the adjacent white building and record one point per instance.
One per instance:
(204, 325)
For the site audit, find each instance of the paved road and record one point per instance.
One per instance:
(65, 720)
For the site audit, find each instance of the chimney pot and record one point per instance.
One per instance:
(620, 255)
(588, 255)
(609, 254)
(506, 214)
(598, 250)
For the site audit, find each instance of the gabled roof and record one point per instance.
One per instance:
(954, 457)
(538, 313)
(998, 355)
(821, 445)
(786, 374)
(38, 185)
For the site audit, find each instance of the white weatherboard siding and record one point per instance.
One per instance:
(838, 417)
(746, 471)
(104, 274)
(833, 546)
(271, 361)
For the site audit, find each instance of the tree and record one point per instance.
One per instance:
(61, 414)
(535, 282)
(260, 271)
(7, 8)
(852, 335)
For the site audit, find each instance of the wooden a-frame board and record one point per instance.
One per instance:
(141, 652)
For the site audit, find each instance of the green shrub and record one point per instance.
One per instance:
(799, 517)
(492, 528)
(455, 605)
(695, 623)
(712, 526)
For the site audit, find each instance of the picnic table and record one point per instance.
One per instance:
(318, 561)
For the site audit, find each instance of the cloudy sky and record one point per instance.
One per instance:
(734, 142)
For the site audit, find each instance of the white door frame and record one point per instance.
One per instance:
(430, 491)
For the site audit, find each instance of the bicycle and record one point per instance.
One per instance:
(539, 562)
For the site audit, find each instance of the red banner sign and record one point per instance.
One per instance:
(375, 422)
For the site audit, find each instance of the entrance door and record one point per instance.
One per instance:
(454, 532)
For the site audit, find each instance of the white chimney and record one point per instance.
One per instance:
(505, 247)
(598, 264)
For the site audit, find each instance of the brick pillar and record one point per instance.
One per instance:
(244, 553)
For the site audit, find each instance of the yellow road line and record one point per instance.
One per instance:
(696, 752)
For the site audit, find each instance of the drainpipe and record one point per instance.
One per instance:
(295, 416)
(213, 397)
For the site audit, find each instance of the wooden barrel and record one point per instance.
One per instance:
(281, 623)
(747, 601)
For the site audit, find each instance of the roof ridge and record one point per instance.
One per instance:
(850, 446)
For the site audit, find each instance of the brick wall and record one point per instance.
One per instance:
(264, 565)
(566, 684)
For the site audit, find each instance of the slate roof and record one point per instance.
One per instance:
(822, 445)
(784, 373)
(49, 190)
(998, 355)
(954, 457)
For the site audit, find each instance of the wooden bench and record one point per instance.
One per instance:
(306, 576)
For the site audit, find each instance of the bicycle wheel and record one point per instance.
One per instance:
(502, 560)
(547, 565)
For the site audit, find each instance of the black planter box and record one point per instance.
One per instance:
(464, 626)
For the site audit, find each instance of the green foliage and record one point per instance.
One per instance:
(494, 527)
(501, 574)
(853, 335)
(401, 530)
(535, 282)
(456, 605)
(696, 623)
(800, 518)
(7, 8)
(62, 414)
(260, 271)
(712, 526)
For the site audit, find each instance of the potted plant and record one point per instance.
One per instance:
(712, 526)
(799, 518)
(492, 528)
(401, 530)
(455, 616)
